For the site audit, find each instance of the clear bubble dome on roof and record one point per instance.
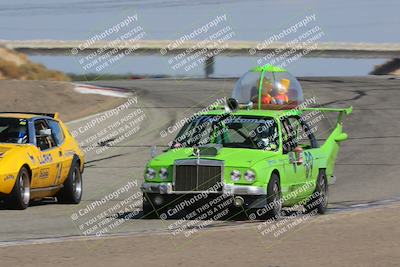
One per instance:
(268, 87)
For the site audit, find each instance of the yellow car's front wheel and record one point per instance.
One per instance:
(20, 195)
(72, 190)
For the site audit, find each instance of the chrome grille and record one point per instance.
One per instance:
(194, 175)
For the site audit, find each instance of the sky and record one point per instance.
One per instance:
(254, 20)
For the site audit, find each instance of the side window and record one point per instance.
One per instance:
(298, 133)
(44, 137)
(289, 136)
(56, 131)
(304, 136)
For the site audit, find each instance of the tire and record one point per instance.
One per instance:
(71, 193)
(273, 207)
(148, 211)
(151, 210)
(20, 195)
(274, 197)
(319, 200)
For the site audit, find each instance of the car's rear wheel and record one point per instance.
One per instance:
(21, 193)
(319, 200)
(71, 193)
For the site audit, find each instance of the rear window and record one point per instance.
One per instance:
(13, 130)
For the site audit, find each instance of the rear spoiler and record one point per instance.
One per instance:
(346, 111)
(51, 115)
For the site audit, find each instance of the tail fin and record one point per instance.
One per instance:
(332, 143)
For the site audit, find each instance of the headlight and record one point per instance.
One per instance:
(235, 175)
(250, 176)
(163, 173)
(150, 173)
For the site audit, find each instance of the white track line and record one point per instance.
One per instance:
(229, 227)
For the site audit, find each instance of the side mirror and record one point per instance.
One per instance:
(153, 151)
(231, 105)
(45, 133)
(296, 156)
(341, 137)
(292, 158)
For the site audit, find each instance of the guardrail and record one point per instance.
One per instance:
(231, 48)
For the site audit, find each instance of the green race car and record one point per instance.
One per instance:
(255, 155)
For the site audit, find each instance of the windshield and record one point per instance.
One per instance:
(229, 131)
(13, 130)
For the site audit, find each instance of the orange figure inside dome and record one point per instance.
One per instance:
(282, 90)
(266, 90)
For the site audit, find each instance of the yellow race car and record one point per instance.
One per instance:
(39, 158)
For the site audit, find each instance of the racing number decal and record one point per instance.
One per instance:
(308, 163)
(292, 158)
(58, 175)
(44, 173)
(46, 158)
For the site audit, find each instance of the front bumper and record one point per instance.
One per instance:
(162, 195)
(166, 188)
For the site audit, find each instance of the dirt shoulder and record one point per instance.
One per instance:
(48, 96)
(359, 238)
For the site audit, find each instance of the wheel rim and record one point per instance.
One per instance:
(24, 188)
(77, 183)
(323, 192)
(277, 198)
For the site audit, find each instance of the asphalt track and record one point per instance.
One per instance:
(367, 169)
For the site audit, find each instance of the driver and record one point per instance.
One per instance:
(267, 138)
(19, 133)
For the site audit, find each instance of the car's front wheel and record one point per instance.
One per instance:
(274, 197)
(21, 193)
(273, 206)
(72, 190)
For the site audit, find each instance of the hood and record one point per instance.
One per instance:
(233, 157)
